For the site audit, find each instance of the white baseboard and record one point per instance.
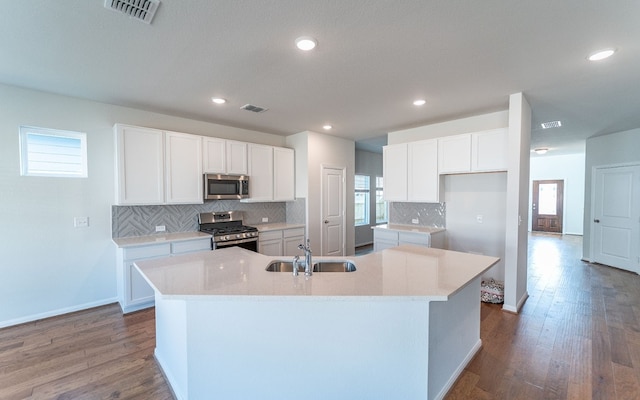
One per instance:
(55, 313)
(456, 374)
(515, 310)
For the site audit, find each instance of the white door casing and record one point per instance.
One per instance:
(333, 200)
(616, 217)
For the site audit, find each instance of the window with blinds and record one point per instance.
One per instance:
(52, 152)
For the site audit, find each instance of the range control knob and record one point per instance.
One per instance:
(226, 237)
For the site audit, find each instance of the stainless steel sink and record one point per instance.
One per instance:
(321, 266)
(334, 266)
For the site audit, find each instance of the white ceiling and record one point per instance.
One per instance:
(373, 59)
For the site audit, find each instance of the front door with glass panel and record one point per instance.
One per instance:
(547, 206)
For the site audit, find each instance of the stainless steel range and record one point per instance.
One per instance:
(227, 229)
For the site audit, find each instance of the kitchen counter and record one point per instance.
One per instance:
(159, 238)
(403, 325)
(277, 226)
(409, 228)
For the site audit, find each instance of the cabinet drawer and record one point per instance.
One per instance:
(381, 234)
(156, 250)
(421, 239)
(270, 235)
(293, 232)
(191, 245)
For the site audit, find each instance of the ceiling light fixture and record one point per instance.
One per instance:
(601, 55)
(419, 102)
(541, 150)
(306, 43)
(327, 127)
(218, 100)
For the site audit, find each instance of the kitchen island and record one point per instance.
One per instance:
(403, 325)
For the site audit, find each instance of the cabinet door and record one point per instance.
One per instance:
(283, 174)
(183, 168)
(260, 172)
(214, 155)
(423, 183)
(454, 154)
(489, 150)
(270, 247)
(138, 290)
(290, 246)
(421, 239)
(394, 163)
(236, 158)
(140, 165)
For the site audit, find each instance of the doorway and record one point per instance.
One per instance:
(333, 216)
(547, 206)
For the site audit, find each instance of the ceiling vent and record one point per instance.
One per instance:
(551, 124)
(255, 109)
(142, 10)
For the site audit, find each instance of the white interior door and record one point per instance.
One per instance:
(616, 217)
(333, 187)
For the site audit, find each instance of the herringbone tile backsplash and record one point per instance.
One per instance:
(428, 214)
(127, 221)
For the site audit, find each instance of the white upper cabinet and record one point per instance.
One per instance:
(140, 165)
(423, 180)
(237, 158)
(283, 174)
(222, 156)
(411, 172)
(260, 172)
(489, 150)
(394, 165)
(484, 151)
(183, 168)
(157, 167)
(271, 173)
(454, 154)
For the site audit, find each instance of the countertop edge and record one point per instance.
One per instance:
(133, 241)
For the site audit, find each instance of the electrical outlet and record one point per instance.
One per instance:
(415, 221)
(265, 219)
(160, 228)
(80, 222)
(479, 218)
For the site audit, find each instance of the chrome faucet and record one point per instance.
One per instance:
(296, 260)
(308, 266)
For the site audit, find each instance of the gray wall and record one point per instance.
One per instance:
(49, 267)
(370, 164)
(614, 149)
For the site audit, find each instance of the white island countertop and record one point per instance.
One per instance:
(407, 271)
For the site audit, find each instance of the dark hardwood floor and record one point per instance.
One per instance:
(577, 337)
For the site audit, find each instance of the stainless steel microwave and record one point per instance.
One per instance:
(221, 187)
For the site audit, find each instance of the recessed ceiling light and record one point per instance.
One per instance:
(306, 43)
(419, 102)
(601, 55)
(218, 100)
(327, 127)
(551, 124)
(541, 150)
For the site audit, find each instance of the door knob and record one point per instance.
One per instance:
(326, 221)
(597, 221)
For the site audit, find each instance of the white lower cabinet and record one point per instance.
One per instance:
(281, 242)
(134, 293)
(387, 238)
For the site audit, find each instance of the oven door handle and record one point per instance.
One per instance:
(233, 242)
